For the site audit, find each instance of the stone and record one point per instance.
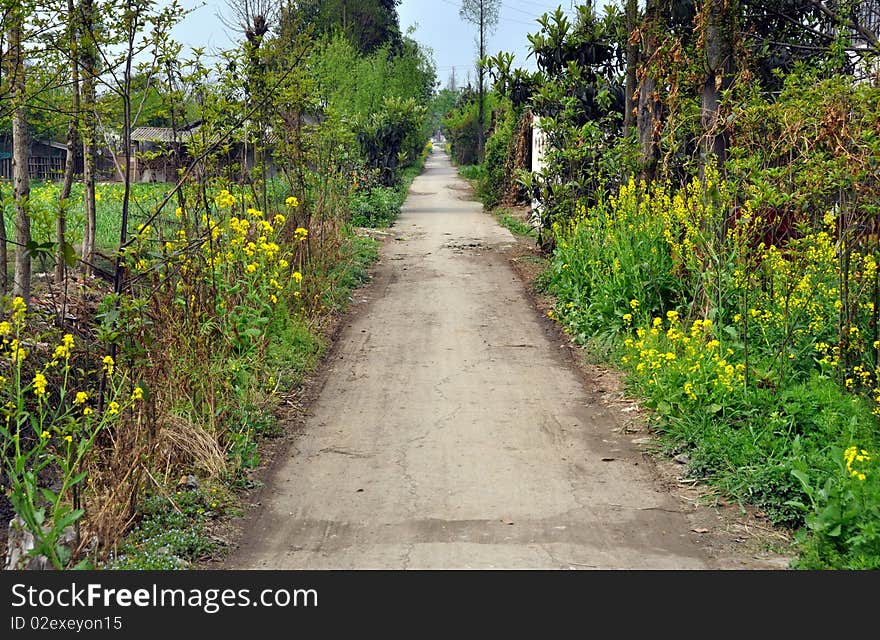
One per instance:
(189, 482)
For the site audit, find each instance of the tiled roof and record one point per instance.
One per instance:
(159, 134)
(165, 134)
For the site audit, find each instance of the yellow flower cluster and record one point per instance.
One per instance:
(40, 383)
(224, 199)
(853, 455)
(19, 308)
(63, 351)
(688, 358)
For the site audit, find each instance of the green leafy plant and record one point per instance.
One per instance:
(48, 430)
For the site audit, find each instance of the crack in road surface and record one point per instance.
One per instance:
(451, 431)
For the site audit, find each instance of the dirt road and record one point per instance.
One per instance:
(452, 432)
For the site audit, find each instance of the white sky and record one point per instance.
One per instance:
(437, 26)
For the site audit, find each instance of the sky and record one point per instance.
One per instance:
(435, 23)
(453, 41)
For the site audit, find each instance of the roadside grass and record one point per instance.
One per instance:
(170, 534)
(378, 207)
(758, 412)
(515, 225)
(173, 531)
(474, 172)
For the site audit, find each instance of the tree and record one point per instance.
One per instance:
(88, 54)
(255, 18)
(718, 29)
(72, 142)
(632, 61)
(483, 14)
(21, 284)
(367, 24)
(649, 115)
(5, 13)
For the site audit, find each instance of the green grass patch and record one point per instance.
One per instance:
(474, 172)
(378, 207)
(170, 533)
(514, 224)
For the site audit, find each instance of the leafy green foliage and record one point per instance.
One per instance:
(461, 126)
(376, 207)
(367, 24)
(383, 95)
(170, 534)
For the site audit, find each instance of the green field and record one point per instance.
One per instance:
(44, 209)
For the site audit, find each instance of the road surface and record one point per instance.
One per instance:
(451, 431)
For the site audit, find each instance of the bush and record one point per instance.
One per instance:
(741, 349)
(377, 207)
(495, 182)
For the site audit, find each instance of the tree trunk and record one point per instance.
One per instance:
(718, 31)
(119, 272)
(4, 254)
(21, 284)
(72, 142)
(481, 132)
(632, 61)
(89, 133)
(649, 114)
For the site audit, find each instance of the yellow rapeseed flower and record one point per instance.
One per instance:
(292, 202)
(19, 307)
(40, 383)
(137, 394)
(108, 364)
(17, 353)
(224, 199)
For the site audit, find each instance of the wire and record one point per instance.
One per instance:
(508, 20)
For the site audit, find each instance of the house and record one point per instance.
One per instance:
(158, 152)
(46, 161)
